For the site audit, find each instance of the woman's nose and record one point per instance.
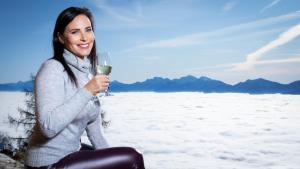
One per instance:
(83, 37)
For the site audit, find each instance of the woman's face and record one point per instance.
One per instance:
(78, 36)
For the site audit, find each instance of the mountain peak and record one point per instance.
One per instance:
(188, 78)
(156, 79)
(204, 78)
(259, 81)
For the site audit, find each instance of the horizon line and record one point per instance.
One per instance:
(197, 77)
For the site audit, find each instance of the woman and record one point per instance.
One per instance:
(66, 104)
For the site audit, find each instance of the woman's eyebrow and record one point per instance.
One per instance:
(75, 29)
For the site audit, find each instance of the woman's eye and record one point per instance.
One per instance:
(89, 29)
(74, 32)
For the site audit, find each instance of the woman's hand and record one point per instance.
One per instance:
(98, 83)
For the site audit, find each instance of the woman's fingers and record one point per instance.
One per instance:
(98, 83)
(102, 81)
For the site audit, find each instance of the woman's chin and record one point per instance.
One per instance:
(83, 53)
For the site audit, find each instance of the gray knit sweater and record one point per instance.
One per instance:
(63, 112)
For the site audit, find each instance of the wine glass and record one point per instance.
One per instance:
(104, 65)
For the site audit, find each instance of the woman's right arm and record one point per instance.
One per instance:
(54, 111)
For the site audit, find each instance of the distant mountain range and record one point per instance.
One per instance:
(19, 86)
(186, 83)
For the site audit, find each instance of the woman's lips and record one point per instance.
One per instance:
(86, 45)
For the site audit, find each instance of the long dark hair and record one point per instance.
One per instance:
(64, 18)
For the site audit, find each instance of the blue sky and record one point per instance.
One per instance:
(228, 40)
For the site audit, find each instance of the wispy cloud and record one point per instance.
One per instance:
(282, 39)
(121, 14)
(270, 5)
(229, 66)
(279, 61)
(229, 6)
(198, 38)
(175, 42)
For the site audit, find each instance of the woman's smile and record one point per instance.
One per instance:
(84, 46)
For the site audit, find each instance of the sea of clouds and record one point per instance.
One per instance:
(191, 130)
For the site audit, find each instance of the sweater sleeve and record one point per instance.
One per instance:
(54, 111)
(95, 135)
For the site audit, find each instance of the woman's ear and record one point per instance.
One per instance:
(60, 38)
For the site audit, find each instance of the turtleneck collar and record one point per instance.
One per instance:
(82, 65)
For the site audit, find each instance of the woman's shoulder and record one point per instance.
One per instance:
(53, 65)
(50, 70)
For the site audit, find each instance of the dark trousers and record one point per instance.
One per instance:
(109, 158)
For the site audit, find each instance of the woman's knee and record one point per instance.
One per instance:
(136, 158)
(132, 151)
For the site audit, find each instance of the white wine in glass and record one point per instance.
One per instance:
(104, 65)
(104, 69)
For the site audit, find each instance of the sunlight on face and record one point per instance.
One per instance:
(78, 36)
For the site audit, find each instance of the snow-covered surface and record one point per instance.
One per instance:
(10, 102)
(196, 130)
